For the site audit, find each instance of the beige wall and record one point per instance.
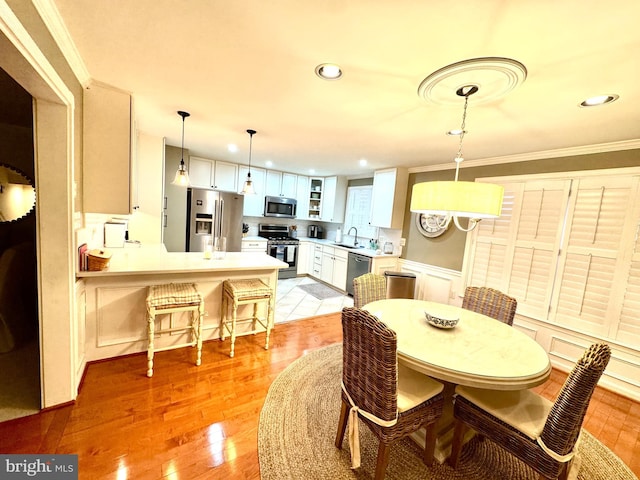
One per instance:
(447, 250)
(31, 20)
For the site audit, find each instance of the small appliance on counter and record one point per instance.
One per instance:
(315, 231)
(388, 248)
(115, 234)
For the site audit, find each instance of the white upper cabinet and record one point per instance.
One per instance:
(205, 173)
(389, 197)
(333, 199)
(106, 157)
(302, 195)
(226, 177)
(200, 172)
(289, 185)
(253, 204)
(281, 184)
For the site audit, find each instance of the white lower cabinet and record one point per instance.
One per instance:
(315, 265)
(305, 250)
(253, 245)
(384, 264)
(334, 267)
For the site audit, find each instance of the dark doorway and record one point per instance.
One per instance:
(19, 342)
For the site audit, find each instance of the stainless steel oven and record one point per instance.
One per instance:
(281, 246)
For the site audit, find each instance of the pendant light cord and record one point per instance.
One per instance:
(182, 150)
(183, 115)
(465, 92)
(251, 133)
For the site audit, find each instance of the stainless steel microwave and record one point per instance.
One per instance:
(280, 207)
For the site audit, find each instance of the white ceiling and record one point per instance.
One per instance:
(236, 65)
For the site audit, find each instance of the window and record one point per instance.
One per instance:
(358, 212)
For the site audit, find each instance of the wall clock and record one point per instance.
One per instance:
(430, 225)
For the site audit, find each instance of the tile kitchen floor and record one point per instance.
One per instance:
(293, 303)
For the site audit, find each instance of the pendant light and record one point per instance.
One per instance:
(247, 188)
(182, 176)
(454, 200)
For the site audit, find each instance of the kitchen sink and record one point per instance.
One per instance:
(346, 246)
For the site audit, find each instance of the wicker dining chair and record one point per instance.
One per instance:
(490, 302)
(393, 401)
(540, 433)
(369, 288)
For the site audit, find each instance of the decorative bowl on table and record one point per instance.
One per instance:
(442, 319)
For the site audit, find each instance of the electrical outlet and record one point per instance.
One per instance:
(403, 242)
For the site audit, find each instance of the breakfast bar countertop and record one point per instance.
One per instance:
(149, 260)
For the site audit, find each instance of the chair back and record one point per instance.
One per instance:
(490, 302)
(369, 364)
(565, 419)
(369, 288)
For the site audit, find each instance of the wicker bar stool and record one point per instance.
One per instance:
(244, 292)
(168, 299)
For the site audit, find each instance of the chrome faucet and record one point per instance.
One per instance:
(355, 242)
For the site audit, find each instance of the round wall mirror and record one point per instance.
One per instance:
(17, 194)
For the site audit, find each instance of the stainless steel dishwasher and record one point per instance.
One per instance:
(356, 265)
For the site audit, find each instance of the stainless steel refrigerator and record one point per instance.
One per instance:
(212, 214)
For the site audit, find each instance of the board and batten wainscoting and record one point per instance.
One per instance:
(563, 345)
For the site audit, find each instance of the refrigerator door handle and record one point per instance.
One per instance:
(221, 217)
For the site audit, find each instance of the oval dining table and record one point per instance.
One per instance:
(478, 352)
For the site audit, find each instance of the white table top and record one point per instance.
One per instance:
(479, 352)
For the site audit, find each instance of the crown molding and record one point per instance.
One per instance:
(526, 157)
(53, 21)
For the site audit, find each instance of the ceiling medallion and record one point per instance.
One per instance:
(495, 77)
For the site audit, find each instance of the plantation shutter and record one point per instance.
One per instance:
(627, 330)
(490, 251)
(592, 261)
(537, 242)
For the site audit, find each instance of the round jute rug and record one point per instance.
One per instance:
(298, 426)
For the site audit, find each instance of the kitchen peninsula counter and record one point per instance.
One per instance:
(155, 261)
(113, 301)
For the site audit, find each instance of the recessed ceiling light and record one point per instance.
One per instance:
(329, 71)
(233, 148)
(363, 162)
(312, 171)
(269, 163)
(456, 131)
(599, 100)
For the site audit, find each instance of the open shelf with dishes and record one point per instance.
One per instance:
(315, 198)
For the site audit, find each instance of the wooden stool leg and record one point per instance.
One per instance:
(151, 318)
(233, 327)
(269, 315)
(198, 331)
(224, 308)
(254, 319)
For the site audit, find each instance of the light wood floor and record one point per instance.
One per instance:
(192, 422)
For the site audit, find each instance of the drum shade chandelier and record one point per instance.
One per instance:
(452, 200)
(457, 199)
(247, 188)
(182, 176)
